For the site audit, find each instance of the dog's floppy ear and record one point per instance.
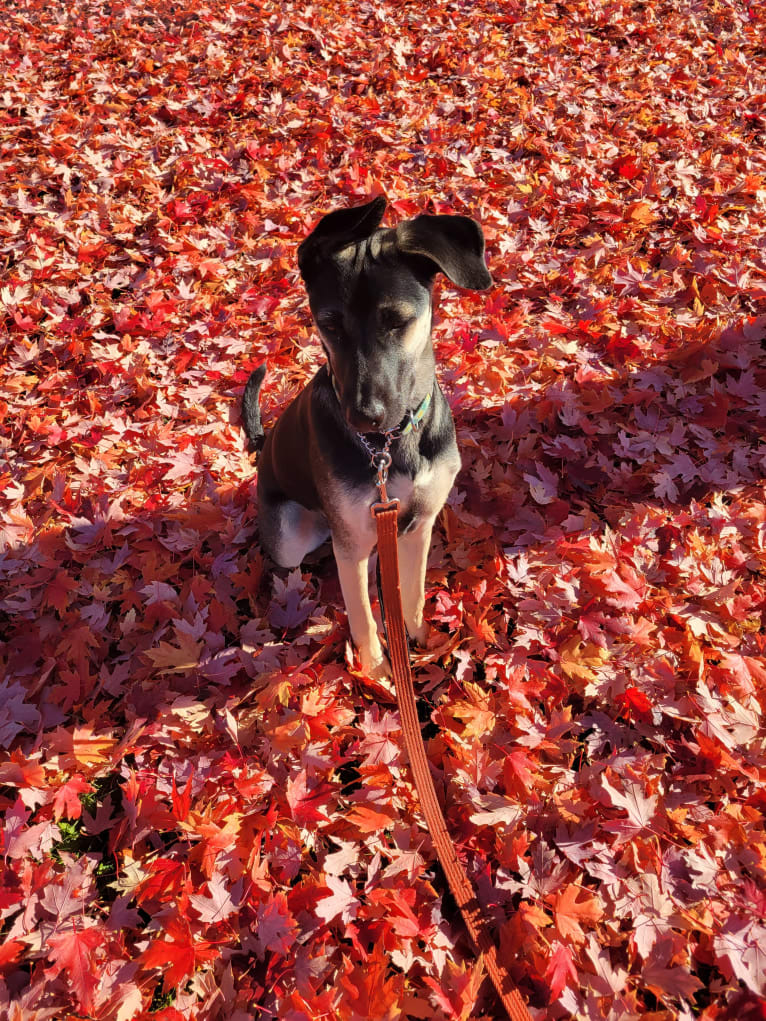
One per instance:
(454, 243)
(340, 228)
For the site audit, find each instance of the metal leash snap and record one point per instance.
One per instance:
(381, 462)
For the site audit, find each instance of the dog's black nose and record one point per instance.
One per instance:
(368, 418)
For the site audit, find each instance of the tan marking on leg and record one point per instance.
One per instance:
(352, 572)
(413, 557)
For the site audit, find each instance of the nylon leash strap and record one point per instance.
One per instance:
(385, 514)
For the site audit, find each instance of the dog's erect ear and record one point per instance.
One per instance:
(454, 243)
(340, 228)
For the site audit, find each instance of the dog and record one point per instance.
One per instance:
(370, 294)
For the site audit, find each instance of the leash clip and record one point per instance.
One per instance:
(381, 462)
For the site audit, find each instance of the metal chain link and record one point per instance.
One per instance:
(380, 459)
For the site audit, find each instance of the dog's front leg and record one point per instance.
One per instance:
(413, 557)
(352, 571)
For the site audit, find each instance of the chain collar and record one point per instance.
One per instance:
(380, 458)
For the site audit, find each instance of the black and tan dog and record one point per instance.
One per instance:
(370, 294)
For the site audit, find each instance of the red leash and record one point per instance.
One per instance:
(385, 514)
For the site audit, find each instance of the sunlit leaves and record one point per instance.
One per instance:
(203, 811)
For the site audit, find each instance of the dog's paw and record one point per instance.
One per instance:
(368, 659)
(420, 634)
(377, 669)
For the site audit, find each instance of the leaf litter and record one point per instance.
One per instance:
(206, 813)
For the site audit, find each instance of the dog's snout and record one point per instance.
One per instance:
(367, 416)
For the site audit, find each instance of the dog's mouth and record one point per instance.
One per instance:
(376, 417)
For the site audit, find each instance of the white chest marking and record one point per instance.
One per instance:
(350, 519)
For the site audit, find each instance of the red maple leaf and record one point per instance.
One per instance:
(306, 803)
(627, 167)
(369, 990)
(178, 956)
(560, 969)
(167, 877)
(74, 952)
(573, 907)
(635, 701)
(67, 800)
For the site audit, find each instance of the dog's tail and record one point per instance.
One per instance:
(251, 408)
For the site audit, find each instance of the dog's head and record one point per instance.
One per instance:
(370, 294)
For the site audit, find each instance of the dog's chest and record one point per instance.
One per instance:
(420, 500)
(423, 496)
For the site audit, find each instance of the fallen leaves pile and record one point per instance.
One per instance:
(205, 813)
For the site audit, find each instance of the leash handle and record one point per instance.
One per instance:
(385, 515)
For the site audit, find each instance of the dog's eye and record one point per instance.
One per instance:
(331, 326)
(392, 320)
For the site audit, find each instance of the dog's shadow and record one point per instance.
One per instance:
(685, 428)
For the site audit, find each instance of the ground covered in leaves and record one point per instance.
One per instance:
(205, 813)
